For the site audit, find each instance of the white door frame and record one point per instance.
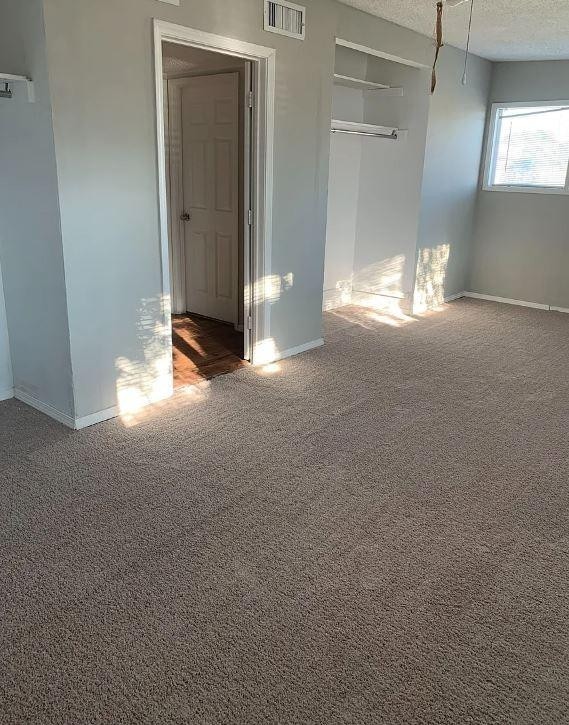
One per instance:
(255, 278)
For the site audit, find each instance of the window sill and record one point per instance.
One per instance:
(558, 191)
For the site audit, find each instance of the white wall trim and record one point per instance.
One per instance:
(6, 394)
(300, 348)
(264, 119)
(457, 296)
(334, 298)
(565, 310)
(376, 300)
(506, 300)
(93, 418)
(45, 408)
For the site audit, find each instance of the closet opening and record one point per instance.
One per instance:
(378, 128)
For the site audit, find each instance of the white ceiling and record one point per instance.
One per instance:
(501, 29)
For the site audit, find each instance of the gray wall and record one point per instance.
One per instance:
(450, 180)
(104, 128)
(521, 241)
(6, 379)
(30, 239)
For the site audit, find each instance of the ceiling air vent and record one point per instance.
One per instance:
(285, 18)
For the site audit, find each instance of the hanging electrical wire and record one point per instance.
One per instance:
(464, 75)
(439, 38)
(439, 43)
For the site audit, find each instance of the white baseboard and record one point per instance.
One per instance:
(94, 418)
(301, 348)
(44, 408)
(506, 300)
(334, 298)
(381, 302)
(7, 394)
(559, 309)
(456, 296)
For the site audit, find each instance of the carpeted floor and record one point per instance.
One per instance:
(376, 532)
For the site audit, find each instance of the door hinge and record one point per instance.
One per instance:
(249, 323)
(251, 99)
(250, 217)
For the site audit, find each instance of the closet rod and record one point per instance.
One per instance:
(390, 136)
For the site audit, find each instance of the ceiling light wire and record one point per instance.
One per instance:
(464, 75)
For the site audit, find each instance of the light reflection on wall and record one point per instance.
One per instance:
(432, 265)
(271, 287)
(382, 278)
(193, 394)
(147, 377)
(373, 309)
(340, 296)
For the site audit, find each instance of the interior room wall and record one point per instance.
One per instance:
(6, 379)
(457, 117)
(104, 125)
(30, 238)
(521, 242)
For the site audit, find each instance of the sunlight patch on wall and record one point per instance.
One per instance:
(338, 297)
(271, 287)
(432, 263)
(146, 377)
(382, 278)
(265, 352)
(196, 393)
(369, 310)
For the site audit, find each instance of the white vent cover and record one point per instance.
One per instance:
(285, 18)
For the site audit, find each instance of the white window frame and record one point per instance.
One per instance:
(490, 156)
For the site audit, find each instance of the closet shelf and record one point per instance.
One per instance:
(366, 129)
(350, 82)
(7, 79)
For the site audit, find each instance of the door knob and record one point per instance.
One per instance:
(185, 217)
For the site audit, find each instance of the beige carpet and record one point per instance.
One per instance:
(375, 533)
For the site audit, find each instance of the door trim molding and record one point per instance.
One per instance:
(264, 60)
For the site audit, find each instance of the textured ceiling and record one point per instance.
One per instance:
(181, 59)
(501, 29)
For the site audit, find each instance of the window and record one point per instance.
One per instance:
(528, 148)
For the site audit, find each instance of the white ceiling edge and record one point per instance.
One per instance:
(502, 30)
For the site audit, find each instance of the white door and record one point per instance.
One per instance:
(210, 151)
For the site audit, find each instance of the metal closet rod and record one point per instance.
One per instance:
(390, 136)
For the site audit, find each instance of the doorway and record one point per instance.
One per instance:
(215, 113)
(208, 132)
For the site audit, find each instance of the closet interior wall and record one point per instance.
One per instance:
(375, 185)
